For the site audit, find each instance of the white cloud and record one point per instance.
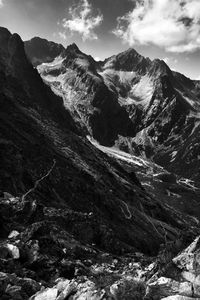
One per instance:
(62, 35)
(1, 3)
(83, 21)
(171, 24)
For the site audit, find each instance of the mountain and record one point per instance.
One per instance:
(41, 50)
(65, 206)
(136, 104)
(80, 219)
(75, 76)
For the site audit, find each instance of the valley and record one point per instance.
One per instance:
(99, 177)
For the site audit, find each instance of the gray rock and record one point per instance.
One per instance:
(189, 259)
(164, 287)
(46, 294)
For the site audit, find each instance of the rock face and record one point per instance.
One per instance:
(40, 50)
(76, 77)
(135, 103)
(181, 279)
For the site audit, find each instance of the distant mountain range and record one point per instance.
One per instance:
(129, 101)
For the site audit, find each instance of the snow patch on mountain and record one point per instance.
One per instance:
(142, 91)
(58, 80)
(55, 64)
(173, 155)
(121, 155)
(137, 93)
(122, 76)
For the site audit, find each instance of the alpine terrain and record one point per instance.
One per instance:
(128, 101)
(99, 177)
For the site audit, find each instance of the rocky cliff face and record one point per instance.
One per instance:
(178, 278)
(91, 102)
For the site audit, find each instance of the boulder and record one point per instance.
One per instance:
(164, 287)
(47, 294)
(14, 251)
(88, 290)
(69, 289)
(127, 289)
(9, 251)
(189, 259)
(13, 234)
(62, 284)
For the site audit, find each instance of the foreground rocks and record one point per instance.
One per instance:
(42, 261)
(180, 279)
(39, 259)
(77, 290)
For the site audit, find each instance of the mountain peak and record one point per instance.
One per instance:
(159, 67)
(71, 51)
(72, 47)
(37, 38)
(131, 51)
(4, 32)
(11, 42)
(40, 50)
(129, 60)
(4, 36)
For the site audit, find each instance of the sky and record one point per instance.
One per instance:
(165, 29)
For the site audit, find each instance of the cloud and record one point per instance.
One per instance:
(62, 35)
(83, 21)
(1, 3)
(171, 24)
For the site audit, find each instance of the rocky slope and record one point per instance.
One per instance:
(63, 203)
(178, 277)
(162, 185)
(137, 104)
(170, 277)
(75, 77)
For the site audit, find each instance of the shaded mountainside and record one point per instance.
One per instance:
(135, 103)
(74, 76)
(40, 50)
